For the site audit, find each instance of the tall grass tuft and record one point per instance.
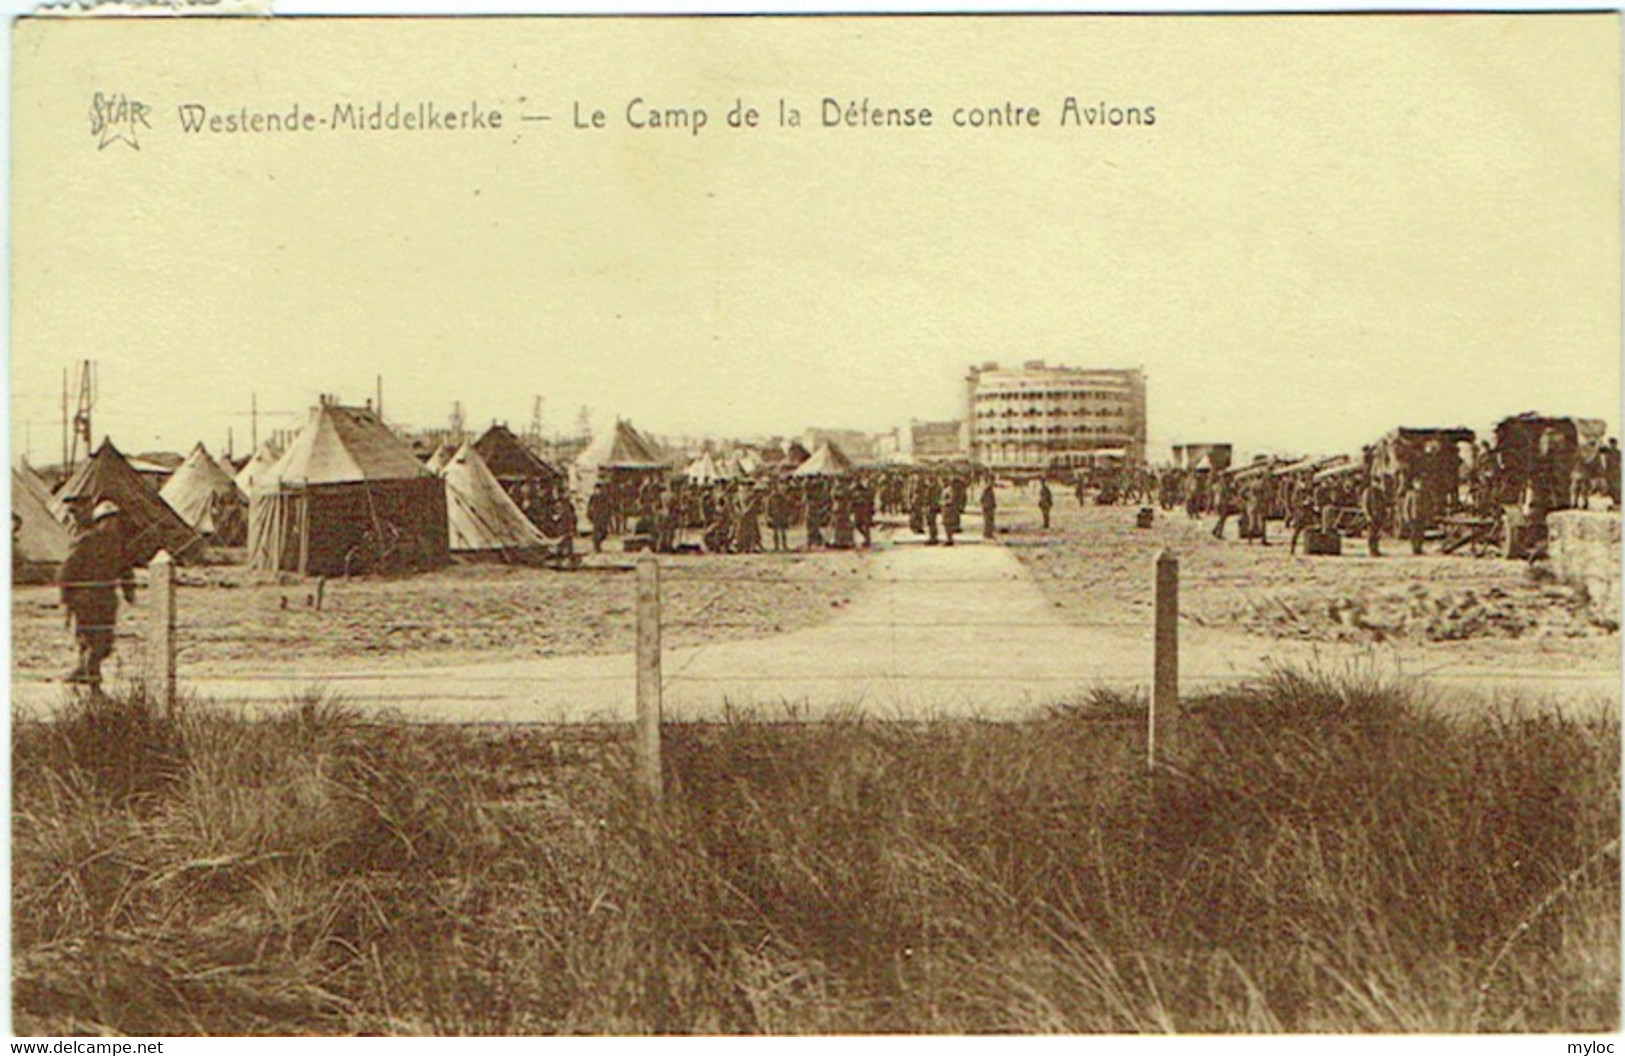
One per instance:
(1335, 854)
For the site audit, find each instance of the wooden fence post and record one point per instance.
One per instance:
(648, 721)
(1163, 737)
(161, 649)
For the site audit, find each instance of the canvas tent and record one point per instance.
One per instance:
(208, 500)
(149, 524)
(263, 459)
(827, 461)
(347, 496)
(529, 480)
(482, 520)
(704, 470)
(438, 459)
(39, 541)
(621, 452)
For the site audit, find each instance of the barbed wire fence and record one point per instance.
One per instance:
(155, 640)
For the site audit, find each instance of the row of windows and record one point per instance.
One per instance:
(1007, 395)
(994, 432)
(1037, 412)
(1032, 454)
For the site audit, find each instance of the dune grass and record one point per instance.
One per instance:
(1332, 855)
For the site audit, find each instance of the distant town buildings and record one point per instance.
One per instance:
(942, 441)
(1037, 417)
(856, 444)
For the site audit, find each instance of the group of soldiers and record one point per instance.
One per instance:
(1363, 498)
(836, 512)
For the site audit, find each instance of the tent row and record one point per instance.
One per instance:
(346, 495)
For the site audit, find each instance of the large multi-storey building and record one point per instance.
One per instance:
(1038, 417)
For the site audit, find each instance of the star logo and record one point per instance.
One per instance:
(115, 118)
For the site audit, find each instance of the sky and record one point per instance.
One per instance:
(1334, 226)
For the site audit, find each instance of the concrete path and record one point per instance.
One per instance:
(940, 632)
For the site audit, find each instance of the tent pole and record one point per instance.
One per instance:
(304, 535)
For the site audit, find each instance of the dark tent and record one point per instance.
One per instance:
(348, 496)
(150, 525)
(530, 481)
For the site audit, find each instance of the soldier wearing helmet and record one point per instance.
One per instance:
(97, 568)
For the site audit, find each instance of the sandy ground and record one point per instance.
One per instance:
(1480, 612)
(990, 630)
(231, 619)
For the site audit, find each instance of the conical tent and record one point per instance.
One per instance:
(621, 452)
(621, 448)
(530, 480)
(149, 524)
(511, 461)
(795, 454)
(482, 519)
(263, 459)
(347, 496)
(39, 541)
(827, 461)
(437, 461)
(207, 499)
(703, 470)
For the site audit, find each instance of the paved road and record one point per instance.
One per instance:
(960, 632)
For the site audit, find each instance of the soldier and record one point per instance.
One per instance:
(601, 513)
(96, 569)
(670, 519)
(1411, 519)
(748, 522)
(817, 512)
(931, 506)
(1046, 501)
(1305, 514)
(562, 522)
(778, 516)
(1221, 504)
(863, 512)
(990, 506)
(952, 508)
(1374, 501)
(1257, 512)
(843, 516)
(1610, 469)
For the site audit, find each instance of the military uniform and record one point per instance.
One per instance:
(1046, 501)
(1374, 501)
(990, 506)
(96, 570)
(601, 513)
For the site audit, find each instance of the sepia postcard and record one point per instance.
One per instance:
(816, 524)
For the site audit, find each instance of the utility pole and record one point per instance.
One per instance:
(254, 422)
(457, 422)
(536, 425)
(81, 414)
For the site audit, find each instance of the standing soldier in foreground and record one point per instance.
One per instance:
(96, 569)
(1374, 501)
(863, 511)
(778, 516)
(601, 513)
(1411, 516)
(1046, 500)
(1258, 510)
(990, 506)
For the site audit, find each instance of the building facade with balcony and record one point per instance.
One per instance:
(1039, 417)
